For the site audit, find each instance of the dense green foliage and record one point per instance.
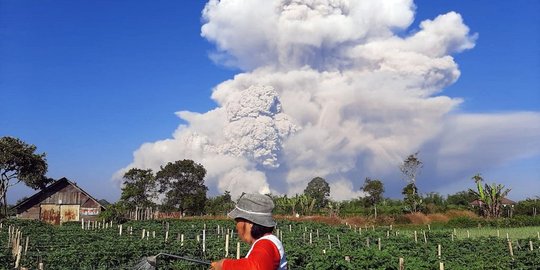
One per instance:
(20, 163)
(308, 246)
(319, 190)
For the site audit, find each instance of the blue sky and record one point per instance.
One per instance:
(88, 82)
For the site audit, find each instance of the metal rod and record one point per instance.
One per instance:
(185, 258)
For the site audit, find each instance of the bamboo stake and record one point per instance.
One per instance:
(143, 233)
(510, 249)
(379, 243)
(120, 232)
(18, 260)
(401, 264)
(310, 238)
(530, 245)
(166, 236)
(237, 250)
(26, 246)
(226, 245)
(182, 240)
(415, 237)
(204, 241)
(425, 238)
(441, 266)
(439, 251)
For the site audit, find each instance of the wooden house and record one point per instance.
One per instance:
(60, 202)
(504, 202)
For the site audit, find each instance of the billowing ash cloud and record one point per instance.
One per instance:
(342, 89)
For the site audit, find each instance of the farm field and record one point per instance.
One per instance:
(308, 245)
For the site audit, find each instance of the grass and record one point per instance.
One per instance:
(512, 233)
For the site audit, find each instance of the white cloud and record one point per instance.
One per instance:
(330, 89)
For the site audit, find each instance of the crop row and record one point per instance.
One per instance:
(308, 246)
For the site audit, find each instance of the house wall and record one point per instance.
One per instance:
(61, 204)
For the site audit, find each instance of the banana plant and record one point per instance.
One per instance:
(489, 196)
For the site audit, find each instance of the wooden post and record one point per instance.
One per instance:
(468, 234)
(310, 238)
(338, 243)
(429, 227)
(530, 245)
(143, 233)
(120, 230)
(237, 250)
(367, 242)
(401, 264)
(153, 234)
(439, 251)
(425, 238)
(441, 266)
(182, 240)
(166, 236)
(40, 266)
(379, 243)
(415, 237)
(82, 223)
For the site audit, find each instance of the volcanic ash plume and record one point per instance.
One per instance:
(332, 88)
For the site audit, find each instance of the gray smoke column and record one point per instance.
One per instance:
(329, 89)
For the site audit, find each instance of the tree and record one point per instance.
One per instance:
(462, 198)
(319, 190)
(20, 163)
(410, 169)
(183, 185)
(489, 197)
(374, 189)
(139, 188)
(411, 197)
(219, 205)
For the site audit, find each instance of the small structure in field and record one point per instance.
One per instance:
(504, 202)
(60, 202)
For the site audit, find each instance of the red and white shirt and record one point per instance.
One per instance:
(266, 253)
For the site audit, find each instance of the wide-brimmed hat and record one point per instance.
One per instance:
(256, 208)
